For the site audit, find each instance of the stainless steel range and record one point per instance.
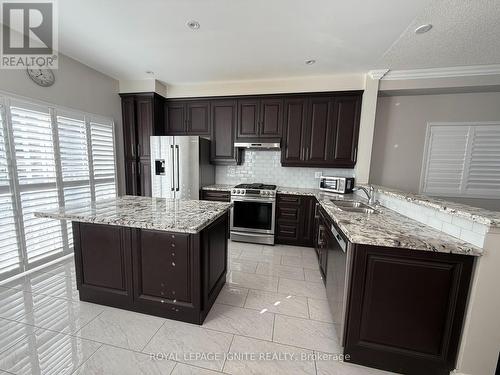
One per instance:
(253, 213)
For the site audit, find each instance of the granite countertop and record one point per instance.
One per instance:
(218, 187)
(479, 215)
(385, 228)
(185, 216)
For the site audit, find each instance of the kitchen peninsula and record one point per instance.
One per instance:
(157, 256)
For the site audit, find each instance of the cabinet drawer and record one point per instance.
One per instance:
(289, 199)
(288, 213)
(214, 195)
(288, 231)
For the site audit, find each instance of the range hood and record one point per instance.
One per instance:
(258, 145)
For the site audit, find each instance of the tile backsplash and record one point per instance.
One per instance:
(265, 166)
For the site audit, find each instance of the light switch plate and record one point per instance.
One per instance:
(318, 174)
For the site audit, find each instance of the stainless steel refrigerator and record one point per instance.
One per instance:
(180, 166)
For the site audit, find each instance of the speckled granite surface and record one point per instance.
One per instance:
(385, 228)
(218, 187)
(479, 215)
(186, 216)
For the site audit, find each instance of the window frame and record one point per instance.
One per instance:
(15, 188)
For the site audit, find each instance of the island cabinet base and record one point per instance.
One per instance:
(172, 275)
(406, 309)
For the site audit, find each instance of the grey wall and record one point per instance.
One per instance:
(400, 128)
(77, 86)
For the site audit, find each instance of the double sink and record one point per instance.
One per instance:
(354, 206)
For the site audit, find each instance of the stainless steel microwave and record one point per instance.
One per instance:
(342, 185)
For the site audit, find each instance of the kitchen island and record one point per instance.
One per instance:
(157, 256)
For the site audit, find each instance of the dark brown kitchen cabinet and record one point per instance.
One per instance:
(223, 120)
(321, 131)
(103, 261)
(164, 265)
(168, 274)
(216, 195)
(295, 219)
(406, 309)
(259, 119)
(294, 131)
(322, 242)
(143, 116)
(187, 117)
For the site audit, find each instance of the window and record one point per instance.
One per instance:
(462, 160)
(48, 157)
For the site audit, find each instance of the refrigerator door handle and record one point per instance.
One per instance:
(173, 175)
(178, 187)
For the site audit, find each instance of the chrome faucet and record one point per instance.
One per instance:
(369, 193)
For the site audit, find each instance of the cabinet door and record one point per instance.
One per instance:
(318, 135)
(248, 118)
(198, 118)
(176, 118)
(103, 263)
(271, 118)
(346, 129)
(129, 128)
(306, 221)
(223, 119)
(145, 178)
(144, 109)
(131, 178)
(420, 293)
(162, 266)
(292, 150)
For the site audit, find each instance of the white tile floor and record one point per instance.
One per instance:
(273, 304)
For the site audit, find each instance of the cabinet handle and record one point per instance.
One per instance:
(139, 149)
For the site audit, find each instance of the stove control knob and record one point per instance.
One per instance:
(234, 191)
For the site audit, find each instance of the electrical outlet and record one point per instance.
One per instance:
(317, 174)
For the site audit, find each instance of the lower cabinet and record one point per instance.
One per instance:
(406, 309)
(172, 275)
(215, 195)
(295, 220)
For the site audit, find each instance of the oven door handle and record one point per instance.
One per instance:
(247, 199)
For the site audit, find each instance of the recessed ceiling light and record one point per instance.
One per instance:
(310, 62)
(150, 72)
(193, 25)
(423, 28)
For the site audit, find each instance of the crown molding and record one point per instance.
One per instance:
(377, 74)
(449, 72)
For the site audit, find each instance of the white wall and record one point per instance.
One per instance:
(77, 86)
(339, 82)
(400, 127)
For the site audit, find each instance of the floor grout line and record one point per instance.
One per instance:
(228, 351)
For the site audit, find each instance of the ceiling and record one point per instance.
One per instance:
(264, 39)
(465, 33)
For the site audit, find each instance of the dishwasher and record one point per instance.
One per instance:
(337, 276)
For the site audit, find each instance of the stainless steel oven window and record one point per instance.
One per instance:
(253, 215)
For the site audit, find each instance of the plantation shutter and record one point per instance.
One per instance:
(483, 169)
(36, 173)
(9, 243)
(103, 159)
(462, 160)
(49, 157)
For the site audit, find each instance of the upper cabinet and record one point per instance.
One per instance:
(321, 131)
(259, 119)
(143, 116)
(187, 117)
(223, 120)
